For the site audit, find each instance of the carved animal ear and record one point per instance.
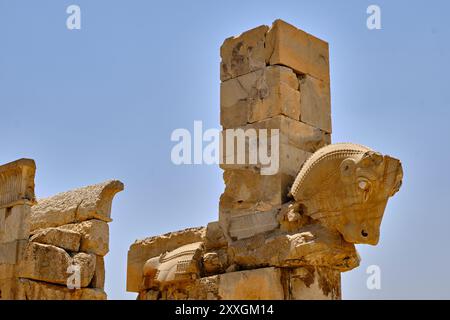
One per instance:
(348, 168)
(371, 158)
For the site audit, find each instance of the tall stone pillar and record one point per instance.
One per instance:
(271, 78)
(16, 199)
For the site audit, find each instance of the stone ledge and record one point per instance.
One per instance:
(91, 202)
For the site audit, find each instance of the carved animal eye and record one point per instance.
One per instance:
(363, 184)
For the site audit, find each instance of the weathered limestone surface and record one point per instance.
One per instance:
(214, 237)
(314, 245)
(65, 239)
(7, 271)
(92, 202)
(94, 235)
(206, 288)
(8, 288)
(246, 191)
(281, 44)
(288, 234)
(248, 225)
(258, 284)
(35, 290)
(16, 197)
(259, 95)
(14, 223)
(98, 280)
(296, 141)
(243, 54)
(47, 248)
(142, 250)
(11, 252)
(315, 104)
(17, 183)
(305, 54)
(50, 264)
(308, 283)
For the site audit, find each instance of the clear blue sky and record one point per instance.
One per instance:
(101, 102)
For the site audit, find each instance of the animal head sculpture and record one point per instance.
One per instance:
(346, 187)
(178, 265)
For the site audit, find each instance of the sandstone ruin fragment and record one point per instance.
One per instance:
(283, 236)
(47, 242)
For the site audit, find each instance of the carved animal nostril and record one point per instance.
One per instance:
(364, 233)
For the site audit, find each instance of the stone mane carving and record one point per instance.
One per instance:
(180, 264)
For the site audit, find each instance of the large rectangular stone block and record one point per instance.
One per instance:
(243, 54)
(310, 283)
(34, 290)
(11, 252)
(315, 104)
(259, 95)
(295, 133)
(258, 284)
(250, 224)
(247, 191)
(94, 235)
(296, 142)
(281, 44)
(15, 223)
(313, 245)
(51, 264)
(286, 45)
(288, 161)
(66, 239)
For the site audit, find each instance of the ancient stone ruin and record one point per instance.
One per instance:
(52, 248)
(284, 235)
(287, 235)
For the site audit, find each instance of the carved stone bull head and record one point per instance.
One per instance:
(346, 187)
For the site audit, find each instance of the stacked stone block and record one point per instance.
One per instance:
(16, 199)
(53, 248)
(272, 78)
